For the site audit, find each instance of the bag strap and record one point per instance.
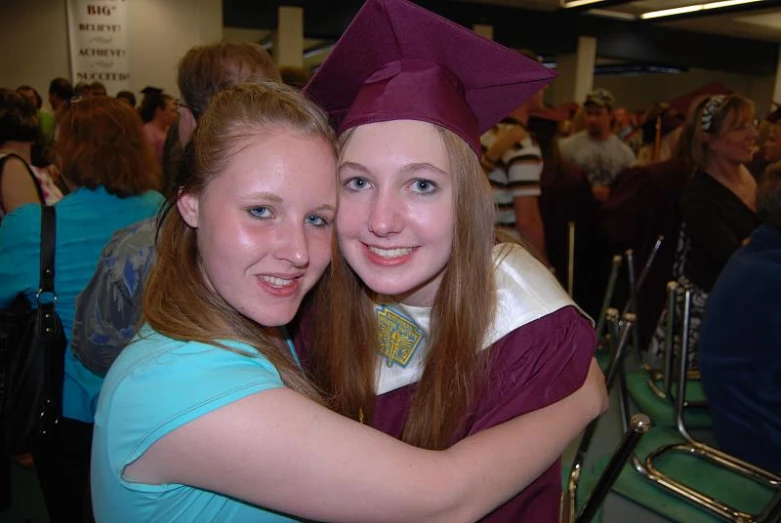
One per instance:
(29, 171)
(48, 320)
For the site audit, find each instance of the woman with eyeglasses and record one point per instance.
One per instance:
(717, 207)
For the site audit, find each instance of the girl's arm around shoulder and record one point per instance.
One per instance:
(278, 450)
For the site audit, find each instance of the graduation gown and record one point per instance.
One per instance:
(541, 345)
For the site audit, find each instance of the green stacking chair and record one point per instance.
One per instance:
(686, 480)
(652, 389)
(572, 510)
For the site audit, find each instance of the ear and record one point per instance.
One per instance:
(187, 204)
(187, 126)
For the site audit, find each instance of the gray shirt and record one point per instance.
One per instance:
(600, 160)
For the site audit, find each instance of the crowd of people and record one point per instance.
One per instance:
(339, 298)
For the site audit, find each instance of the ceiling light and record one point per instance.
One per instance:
(619, 15)
(578, 3)
(694, 8)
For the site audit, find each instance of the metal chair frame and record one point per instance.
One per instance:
(666, 375)
(648, 469)
(637, 427)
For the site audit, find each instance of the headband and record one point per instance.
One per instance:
(713, 106)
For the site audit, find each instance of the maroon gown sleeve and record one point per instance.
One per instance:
(533, 366)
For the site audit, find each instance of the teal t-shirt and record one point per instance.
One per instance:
(156, 385)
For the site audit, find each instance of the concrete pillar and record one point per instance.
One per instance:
(576, 72)
(289, 37)
(777, 83)
(486, 31)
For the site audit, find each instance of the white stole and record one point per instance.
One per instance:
(526, 291)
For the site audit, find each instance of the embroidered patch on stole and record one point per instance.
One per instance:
(399, 337)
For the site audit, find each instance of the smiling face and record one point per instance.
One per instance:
(737, 141)
(396, 210)
(264, 224)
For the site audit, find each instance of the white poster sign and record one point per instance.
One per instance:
(98, 35)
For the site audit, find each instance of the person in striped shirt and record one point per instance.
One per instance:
(513, 162)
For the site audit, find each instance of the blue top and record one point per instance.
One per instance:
(86, 219)
(156, 385)
(740, 351)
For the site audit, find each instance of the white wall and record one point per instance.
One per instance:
(34, 40)
(34, 37)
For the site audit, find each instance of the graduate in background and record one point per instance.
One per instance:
(429, 329)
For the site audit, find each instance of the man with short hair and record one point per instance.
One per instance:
(109, 307)
(597, 150)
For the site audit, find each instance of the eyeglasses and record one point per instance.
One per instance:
(751, 125)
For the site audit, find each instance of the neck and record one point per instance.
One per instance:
(724, 170)
(22, 149)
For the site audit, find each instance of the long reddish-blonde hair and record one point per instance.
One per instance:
(178, 302)
(346, 337)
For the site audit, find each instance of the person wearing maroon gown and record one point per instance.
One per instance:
(472, 332)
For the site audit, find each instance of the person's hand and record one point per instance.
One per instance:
(600, 192)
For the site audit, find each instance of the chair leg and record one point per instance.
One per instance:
(569, 498)
(639, 426)
(609, 292)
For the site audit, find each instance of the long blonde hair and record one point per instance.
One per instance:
(455, 368)
(178, 302)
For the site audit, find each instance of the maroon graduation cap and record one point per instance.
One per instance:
(398, 61)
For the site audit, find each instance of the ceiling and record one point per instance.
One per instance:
(744, 39)
(757, 21)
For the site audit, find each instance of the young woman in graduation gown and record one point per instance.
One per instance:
(427, 327)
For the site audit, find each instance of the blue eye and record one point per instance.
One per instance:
(424, 186)
(357, 183)
(259, 212)
(317, 221)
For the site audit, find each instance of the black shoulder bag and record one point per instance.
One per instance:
(32, 352)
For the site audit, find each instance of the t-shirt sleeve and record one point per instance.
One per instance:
(20, 254)
(534, 366)
(162, 392)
